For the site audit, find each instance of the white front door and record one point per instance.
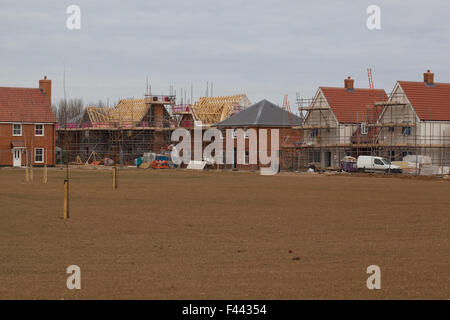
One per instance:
(17, 157)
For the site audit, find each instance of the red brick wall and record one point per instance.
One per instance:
(158, 115)
(287, 137)
(47, 142)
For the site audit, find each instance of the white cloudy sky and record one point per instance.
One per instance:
(265, 48)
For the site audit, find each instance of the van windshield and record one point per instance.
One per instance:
(386, 161)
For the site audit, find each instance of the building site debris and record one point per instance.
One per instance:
(196, 165)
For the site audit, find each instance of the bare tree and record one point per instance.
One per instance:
(74, 110)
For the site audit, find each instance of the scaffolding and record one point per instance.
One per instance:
(132, 128)
(390, 129)
(138, 126)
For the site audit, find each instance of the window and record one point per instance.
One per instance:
(314, 133)
(39, 155)
(364, 130)
(379, 162)
(39, 130)
(314, 156)
(17, 129)
(246, 157)
(406, 131)
(246, 133)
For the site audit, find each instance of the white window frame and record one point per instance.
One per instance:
(21, 129)
(407, 131)
(233, 133)
(35, 154)
(246, 133)
(364, 128)
(35, 128)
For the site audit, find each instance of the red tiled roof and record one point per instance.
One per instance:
(430, 102)
(351, 106)
(25, 105)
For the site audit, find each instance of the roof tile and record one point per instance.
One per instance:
(430, 102)
(350, 106)
(25, 105)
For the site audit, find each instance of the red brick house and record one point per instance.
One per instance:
(262, 116)
(27, 126)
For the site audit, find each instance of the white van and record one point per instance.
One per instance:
(376, 164)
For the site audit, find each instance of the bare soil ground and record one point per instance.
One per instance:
(223, 235)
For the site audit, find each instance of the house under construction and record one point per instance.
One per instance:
(212, 110)
(137, 126)
(122, 133)
(413, 120)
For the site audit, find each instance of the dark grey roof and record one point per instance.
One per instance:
(261, 114)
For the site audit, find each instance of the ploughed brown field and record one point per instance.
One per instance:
(223, 235)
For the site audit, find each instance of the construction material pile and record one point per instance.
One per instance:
(421, 165)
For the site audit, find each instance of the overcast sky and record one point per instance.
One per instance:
(262, 48)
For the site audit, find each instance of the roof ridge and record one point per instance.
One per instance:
(342, 88)
(21, 88)
(258, 115)
(407, 81)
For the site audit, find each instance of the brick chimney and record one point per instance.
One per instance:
(428, 78)
(349, 84)
(46, 87)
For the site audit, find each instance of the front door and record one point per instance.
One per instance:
(327, 159)
(17, 157)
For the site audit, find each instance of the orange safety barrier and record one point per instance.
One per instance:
(160, 164)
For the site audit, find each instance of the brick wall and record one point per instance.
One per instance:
(287, 138)
(31, 141)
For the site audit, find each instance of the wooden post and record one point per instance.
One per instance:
(115, 185)
(27, 173)
(66, 199)
(45, 179)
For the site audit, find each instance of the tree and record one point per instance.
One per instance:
(72, 112)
